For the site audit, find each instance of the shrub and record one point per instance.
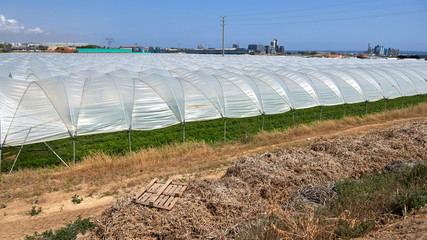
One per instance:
(75, 199)
(34, 212)
(408, 201)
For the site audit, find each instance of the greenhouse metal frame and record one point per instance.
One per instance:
(45, 97)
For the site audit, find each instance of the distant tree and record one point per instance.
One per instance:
(313, 52)
(42, 48)
(333, 53)
(90, 46)
(5, 47)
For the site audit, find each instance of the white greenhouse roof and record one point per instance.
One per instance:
(65, 95)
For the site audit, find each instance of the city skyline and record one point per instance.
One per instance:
(313, 25)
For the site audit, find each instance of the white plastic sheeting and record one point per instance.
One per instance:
(65, 95)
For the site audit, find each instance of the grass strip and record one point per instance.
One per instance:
(210, 132)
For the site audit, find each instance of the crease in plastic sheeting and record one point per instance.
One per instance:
(406, 79)
(214, 103)
(388, 79)
(370, 81)
(252, 92)
(329, 82)
(421, 84)
(349, 79)
(271, 80)
(177, 115)
(46, 117)
(303, 83)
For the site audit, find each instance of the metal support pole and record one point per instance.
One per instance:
(56, 155)
(20, 150)
(225, 129)
(183, 132)
(74, 150)
(320, 113)
(262, 125)
(366, 108)
(417, 103)
(130, 143)
(345, 105)
(402, 101)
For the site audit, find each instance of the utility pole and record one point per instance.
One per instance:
(109, 40)
(223, 26)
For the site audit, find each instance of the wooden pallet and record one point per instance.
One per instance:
(161, 195)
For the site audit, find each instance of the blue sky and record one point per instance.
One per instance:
(298, 25)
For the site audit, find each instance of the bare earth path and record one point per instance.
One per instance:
(58, 210)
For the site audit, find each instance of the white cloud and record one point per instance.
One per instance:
(35, 30)
(14, 27)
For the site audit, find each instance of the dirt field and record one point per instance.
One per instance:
(251, 186)
(220, 199)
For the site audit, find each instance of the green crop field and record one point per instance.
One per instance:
(38, 155)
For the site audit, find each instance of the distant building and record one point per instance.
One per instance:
(274, 47)
(215, 51)
(133, 48)
(103, 50)
(200, 46)
(236, 45)
(62, 44)
(379, 50)
(369, 49)
(256, 48)
(382, 51)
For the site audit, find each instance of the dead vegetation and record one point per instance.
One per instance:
(253, 186)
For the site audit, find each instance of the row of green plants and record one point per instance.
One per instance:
(211, 132)
(359, 207)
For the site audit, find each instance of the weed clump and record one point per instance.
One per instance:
(75, 199)
(34, 211)
(69, 232)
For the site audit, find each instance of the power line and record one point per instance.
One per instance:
(383, 7)
(332, 19)
(299, 10)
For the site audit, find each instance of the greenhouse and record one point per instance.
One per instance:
(45, 97)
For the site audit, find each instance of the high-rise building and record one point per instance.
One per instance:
(274, 47)
(379, 50)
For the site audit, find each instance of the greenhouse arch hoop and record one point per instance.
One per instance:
(67, 95)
